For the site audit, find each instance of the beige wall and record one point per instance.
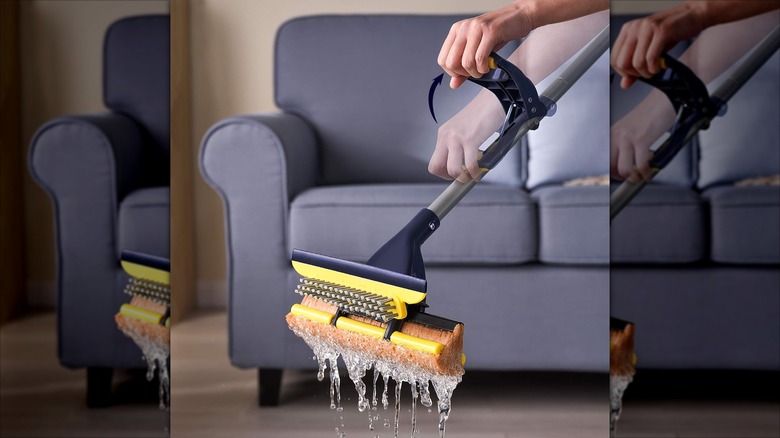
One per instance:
(232, 48)
(61, 74)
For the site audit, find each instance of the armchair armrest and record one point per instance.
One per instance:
(257, 164)
(87, 164)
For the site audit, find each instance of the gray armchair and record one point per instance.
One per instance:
(107, 176)
(343, 166)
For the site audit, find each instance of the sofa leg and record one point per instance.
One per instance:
(99, 387)
(269, 381)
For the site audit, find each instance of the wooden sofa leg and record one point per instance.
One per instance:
(99, 387)
(269, 381)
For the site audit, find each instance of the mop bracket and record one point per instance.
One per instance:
(520, 100)
(691, 101)
(684, 89)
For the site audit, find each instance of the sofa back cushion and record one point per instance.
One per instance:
(574, 142)
(362, 81)
(136, 75)
(745, 142)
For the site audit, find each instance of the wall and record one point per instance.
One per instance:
(61, 61)
(232, 61)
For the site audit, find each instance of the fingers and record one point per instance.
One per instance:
(636, 51)
(454, 162)
(469, 58)
(466, 49)
(451, 152)
(626, 167)
(482, 55)
(623, 54)
(638, 47)
(457, 81)
(642, 160)
(629, 159)
(446, 47)
(654, 51)
(638, 58)
(438, 164)
(472, 164)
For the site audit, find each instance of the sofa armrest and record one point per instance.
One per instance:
(233, 149)
(87, 164)
(257, 164)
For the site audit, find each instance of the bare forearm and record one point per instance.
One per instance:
(712, 13)
(544, 12)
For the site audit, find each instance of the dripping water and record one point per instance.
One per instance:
(156, 357)
(327, 351)
(617, 386)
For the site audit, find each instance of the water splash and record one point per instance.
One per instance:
(398, 386)
(358, 363)
(156, 356)
(617, 386)
(415, 394)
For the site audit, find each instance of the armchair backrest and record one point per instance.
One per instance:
(136, 73)
(362, 82)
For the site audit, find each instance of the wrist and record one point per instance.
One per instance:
(699, 12)
(526, 12)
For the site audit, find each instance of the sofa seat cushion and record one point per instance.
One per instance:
(662, 224)
(492, 225)
(745, 224)
(144, 221)
(573, 224)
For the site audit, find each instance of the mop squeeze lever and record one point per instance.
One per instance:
(691, 101)
(379, 307)
(519, 99)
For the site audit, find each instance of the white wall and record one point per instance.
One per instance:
(61, 63)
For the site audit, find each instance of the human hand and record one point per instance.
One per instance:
(629, 153)
(457, 145)
(637, 50)
(466, 49)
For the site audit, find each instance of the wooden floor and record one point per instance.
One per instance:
(39, 398)
(211, 398)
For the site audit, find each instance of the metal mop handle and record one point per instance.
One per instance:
(757, 57)
(595, 48)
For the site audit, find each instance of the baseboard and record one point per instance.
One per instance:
(211, 294)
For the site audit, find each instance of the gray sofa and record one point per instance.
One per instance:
(107, 177)
(523, 261)
(696, 260)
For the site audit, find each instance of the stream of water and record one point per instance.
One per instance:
(617, 386)
(156, 357)
(358, 363)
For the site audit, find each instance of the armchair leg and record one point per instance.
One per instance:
(269, 381)
(99, 387)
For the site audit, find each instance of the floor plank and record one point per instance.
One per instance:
(41, 399)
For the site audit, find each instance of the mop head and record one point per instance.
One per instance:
(142, 317)
(449, 360)
(146, 317)
(621, 350)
